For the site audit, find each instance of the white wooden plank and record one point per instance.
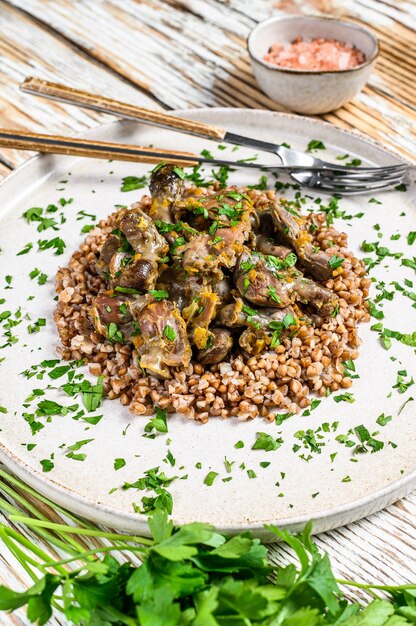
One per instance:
(26, 49)
(212, 67)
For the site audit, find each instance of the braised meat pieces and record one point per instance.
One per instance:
(201, 275)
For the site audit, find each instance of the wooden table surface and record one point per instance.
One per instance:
(168, 54)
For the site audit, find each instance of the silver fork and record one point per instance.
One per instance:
(319, 175)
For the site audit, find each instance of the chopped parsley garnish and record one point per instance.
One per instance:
(56, 244)
(349, 368)
(158, 422)
(288, 320)
(87, 228)
(114, 334)
(382, 419)
(386, 335)
(47, 465)
(411, 237)
(57, 372)
(36, 214)
(222, 174)
(127, 290)
(335, 261)
(402, 384)
(209, 478)
(179, 172)
(315, 144)
(169, 333)
(36, 273)
(278, 327)
(410, 263)
(130, 183)
(333, 211)
(91, 394)
(345, 397)
(261, 185)
(27, 248)
(180, 241)
(158, 167)
(276, 265)
(246, 285)
(266, 442)
(374, 311)
(314, 404)
(367, 440)
(159, 294)
(354, 163)
(246, 266)
(37, 325)
(119, 463)
(271, 291)
(228, 465)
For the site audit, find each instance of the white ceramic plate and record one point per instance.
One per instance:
(330, 492)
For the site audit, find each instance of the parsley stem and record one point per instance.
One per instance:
(70, 544)
(17, 537)
(19, 554)
(84, 555)
(15, 481)
(370, 586)
(124, 619)
(88, 532)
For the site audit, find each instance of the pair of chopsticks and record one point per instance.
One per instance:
(23, 140)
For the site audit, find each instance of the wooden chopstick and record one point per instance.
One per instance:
(23, 140)
(69, 95)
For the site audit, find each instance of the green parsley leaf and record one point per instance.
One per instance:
(411, 237)
(130, 183)
(158, 423)
(335, 261)
(27, 248)
(119, 463)
(271, 291)
(266, 442)
(345, 397)
(56, 244)
(179, 172)
(169, 333)
(209, 478)
(315, 144)
(158, 294)
(47, 465)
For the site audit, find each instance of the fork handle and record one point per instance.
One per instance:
(23, 140)
(69, 95)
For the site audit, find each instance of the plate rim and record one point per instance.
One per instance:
(102, 513)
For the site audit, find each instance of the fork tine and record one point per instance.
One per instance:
(355, 189)
(364, 170)
(367, 183)
(360, 180)
(360, 175)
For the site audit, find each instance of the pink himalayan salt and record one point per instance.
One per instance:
(316, 55)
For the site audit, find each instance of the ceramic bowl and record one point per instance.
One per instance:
(305, 91)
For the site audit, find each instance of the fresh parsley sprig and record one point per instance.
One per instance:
(182, 576)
